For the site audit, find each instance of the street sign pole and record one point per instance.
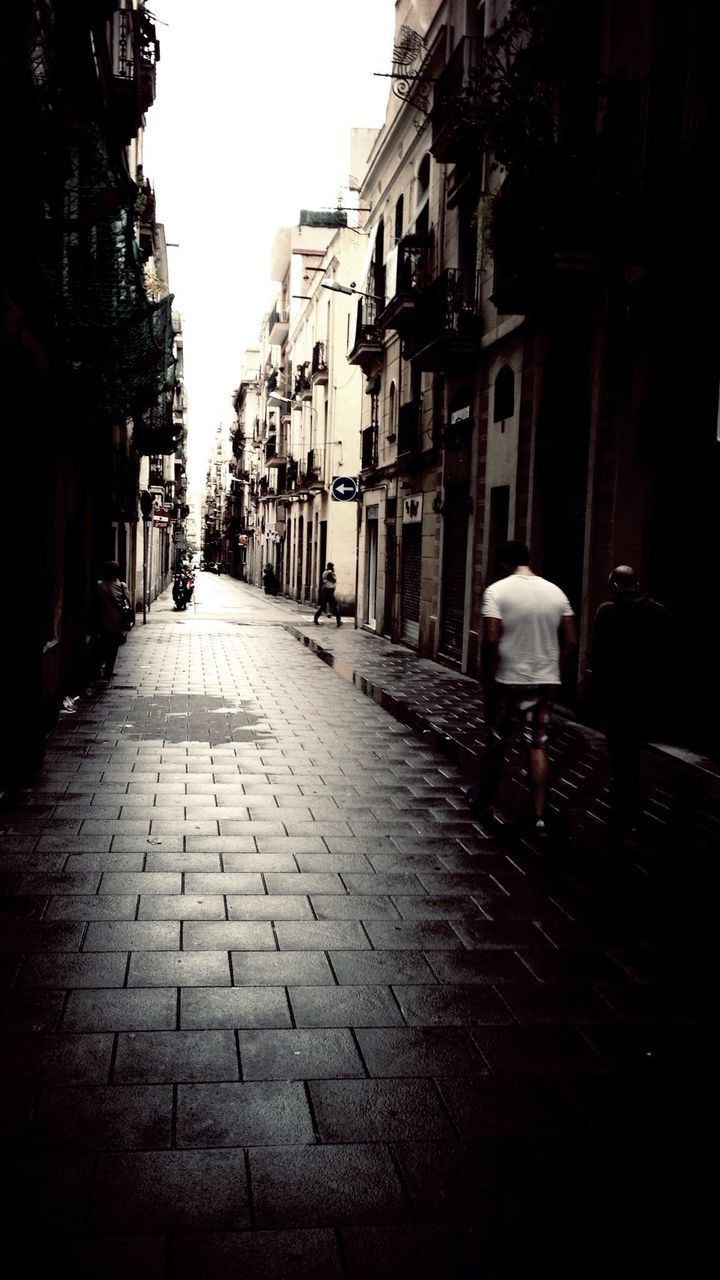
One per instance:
(145, 566)
(147, 502)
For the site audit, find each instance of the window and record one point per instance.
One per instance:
(422, 207)
(391, 412)
(504, 398)
(378, 267)
(399, 214)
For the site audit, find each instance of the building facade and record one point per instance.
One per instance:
(86, 349)
(297, 419)
(532, 326)
(521, 327)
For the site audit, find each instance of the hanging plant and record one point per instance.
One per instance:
(523, 98)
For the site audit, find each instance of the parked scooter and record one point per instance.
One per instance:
(181, 591)
(189, 578)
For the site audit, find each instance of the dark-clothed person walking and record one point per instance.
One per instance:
(270, 581)
(629, 662)
(328, 603)
(112, 605)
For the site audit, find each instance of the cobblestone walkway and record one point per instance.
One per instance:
(274, 1007)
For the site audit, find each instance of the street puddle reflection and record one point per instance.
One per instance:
(205, 718)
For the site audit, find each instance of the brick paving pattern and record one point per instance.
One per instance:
(274, 1005)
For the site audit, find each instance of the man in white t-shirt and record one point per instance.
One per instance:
(528, 637)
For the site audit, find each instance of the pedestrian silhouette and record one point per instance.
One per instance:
(327, 601)
(113, 609)
(270, 582)
(630, 658)
(528, 638)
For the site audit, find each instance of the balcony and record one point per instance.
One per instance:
(368, 449)
(278, 457)
(413, 274)
(238, 442)
(318, 367)
(447, 329)
(368, 347)
(270, 449)
(145, 209)
(314, 469)
(278, 323)
(291, 474)
(154, 432)
(302, 386)
(135, 52)
(455, 137)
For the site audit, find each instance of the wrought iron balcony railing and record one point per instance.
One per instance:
(447, 321)
(314, 468)
(412, 276)
(368, 342)
(302, 383)
(135, 52)
(318, 368)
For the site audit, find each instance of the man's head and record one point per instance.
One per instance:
(110, 571)
(623, 578)
(330, 564)
(514, 555)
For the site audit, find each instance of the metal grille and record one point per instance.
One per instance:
(454, 570)
(411, 582)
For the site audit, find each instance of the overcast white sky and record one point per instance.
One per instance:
(255, 102)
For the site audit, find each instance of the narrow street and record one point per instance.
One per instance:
(274, 1006)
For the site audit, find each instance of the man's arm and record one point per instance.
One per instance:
(490, 648)
(568, 642)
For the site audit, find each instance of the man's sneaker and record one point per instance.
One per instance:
(317, 624)
(339, 622)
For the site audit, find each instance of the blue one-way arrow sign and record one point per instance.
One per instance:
(343, 488)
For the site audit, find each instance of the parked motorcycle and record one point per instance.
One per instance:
(189, 579)
(181, 592)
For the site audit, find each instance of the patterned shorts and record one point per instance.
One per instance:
(530, 705)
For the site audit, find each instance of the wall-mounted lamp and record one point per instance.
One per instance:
(336, 287)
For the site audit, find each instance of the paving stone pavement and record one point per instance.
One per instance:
(273, 1005)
